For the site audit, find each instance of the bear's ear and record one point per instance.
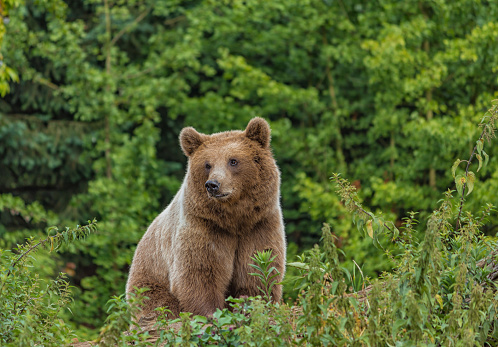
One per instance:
(259, 130)
(190, 140)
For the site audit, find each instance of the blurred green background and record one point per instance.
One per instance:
(386, 92)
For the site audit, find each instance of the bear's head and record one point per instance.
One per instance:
(232, 170)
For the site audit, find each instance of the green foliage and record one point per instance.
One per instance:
(29, 305)
(266, 273)
(7, 74)
(121, 318)
(384, 92)
(329, 317)
(246, 323)
(438, 295)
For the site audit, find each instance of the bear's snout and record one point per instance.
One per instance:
(213, 187)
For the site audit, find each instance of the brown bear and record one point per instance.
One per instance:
(196, 252)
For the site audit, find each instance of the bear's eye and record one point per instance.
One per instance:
(208, 167)
(233, 162)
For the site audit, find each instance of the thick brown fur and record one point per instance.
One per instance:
(196, 252)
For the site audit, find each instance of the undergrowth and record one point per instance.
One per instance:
(30, 306)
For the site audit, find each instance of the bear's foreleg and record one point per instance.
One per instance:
(202, 272)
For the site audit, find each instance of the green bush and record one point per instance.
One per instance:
(30, 306)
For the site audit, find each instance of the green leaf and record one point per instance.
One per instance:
(12, 74)
(270, 270)
(255, 266)
(494, 102)
(460, 181)
(398, 324)
(454, 167)
(260, 276)
(471, 177)
(359, 225)
(299, 265)
(480, 162)
(486, 158)
(479, 145)
(439, 300)
(370, 229)
(200, 319)
(224, 320)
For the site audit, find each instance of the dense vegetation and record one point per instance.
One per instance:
(387, 93)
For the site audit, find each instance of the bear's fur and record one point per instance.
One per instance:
(196, 252)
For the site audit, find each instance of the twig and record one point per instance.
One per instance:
(41, 242)
(129, 26)
(24, 254)
(174, 20)
(46, 83)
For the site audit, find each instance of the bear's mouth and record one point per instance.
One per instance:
(219, 196)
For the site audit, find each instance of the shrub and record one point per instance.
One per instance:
(30, 306)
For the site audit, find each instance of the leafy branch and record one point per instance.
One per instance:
(468, 179)
(371, 223)
(56, 241)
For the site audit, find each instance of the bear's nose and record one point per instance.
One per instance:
(212, 186)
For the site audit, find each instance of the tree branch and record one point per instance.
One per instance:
(129, 26)
(174, 20)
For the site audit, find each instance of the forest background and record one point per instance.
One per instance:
(95, 93)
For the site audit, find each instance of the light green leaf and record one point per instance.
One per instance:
(479, 145)
(299, 265)
(454, 167)
(439, 299)
(370, 229)
(480, 162)
(494, 102)
(201, 319)
(471, 177)
(12, 74)
(486, 158)
(460, 181)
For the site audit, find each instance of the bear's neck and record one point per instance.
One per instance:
(236, 218)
